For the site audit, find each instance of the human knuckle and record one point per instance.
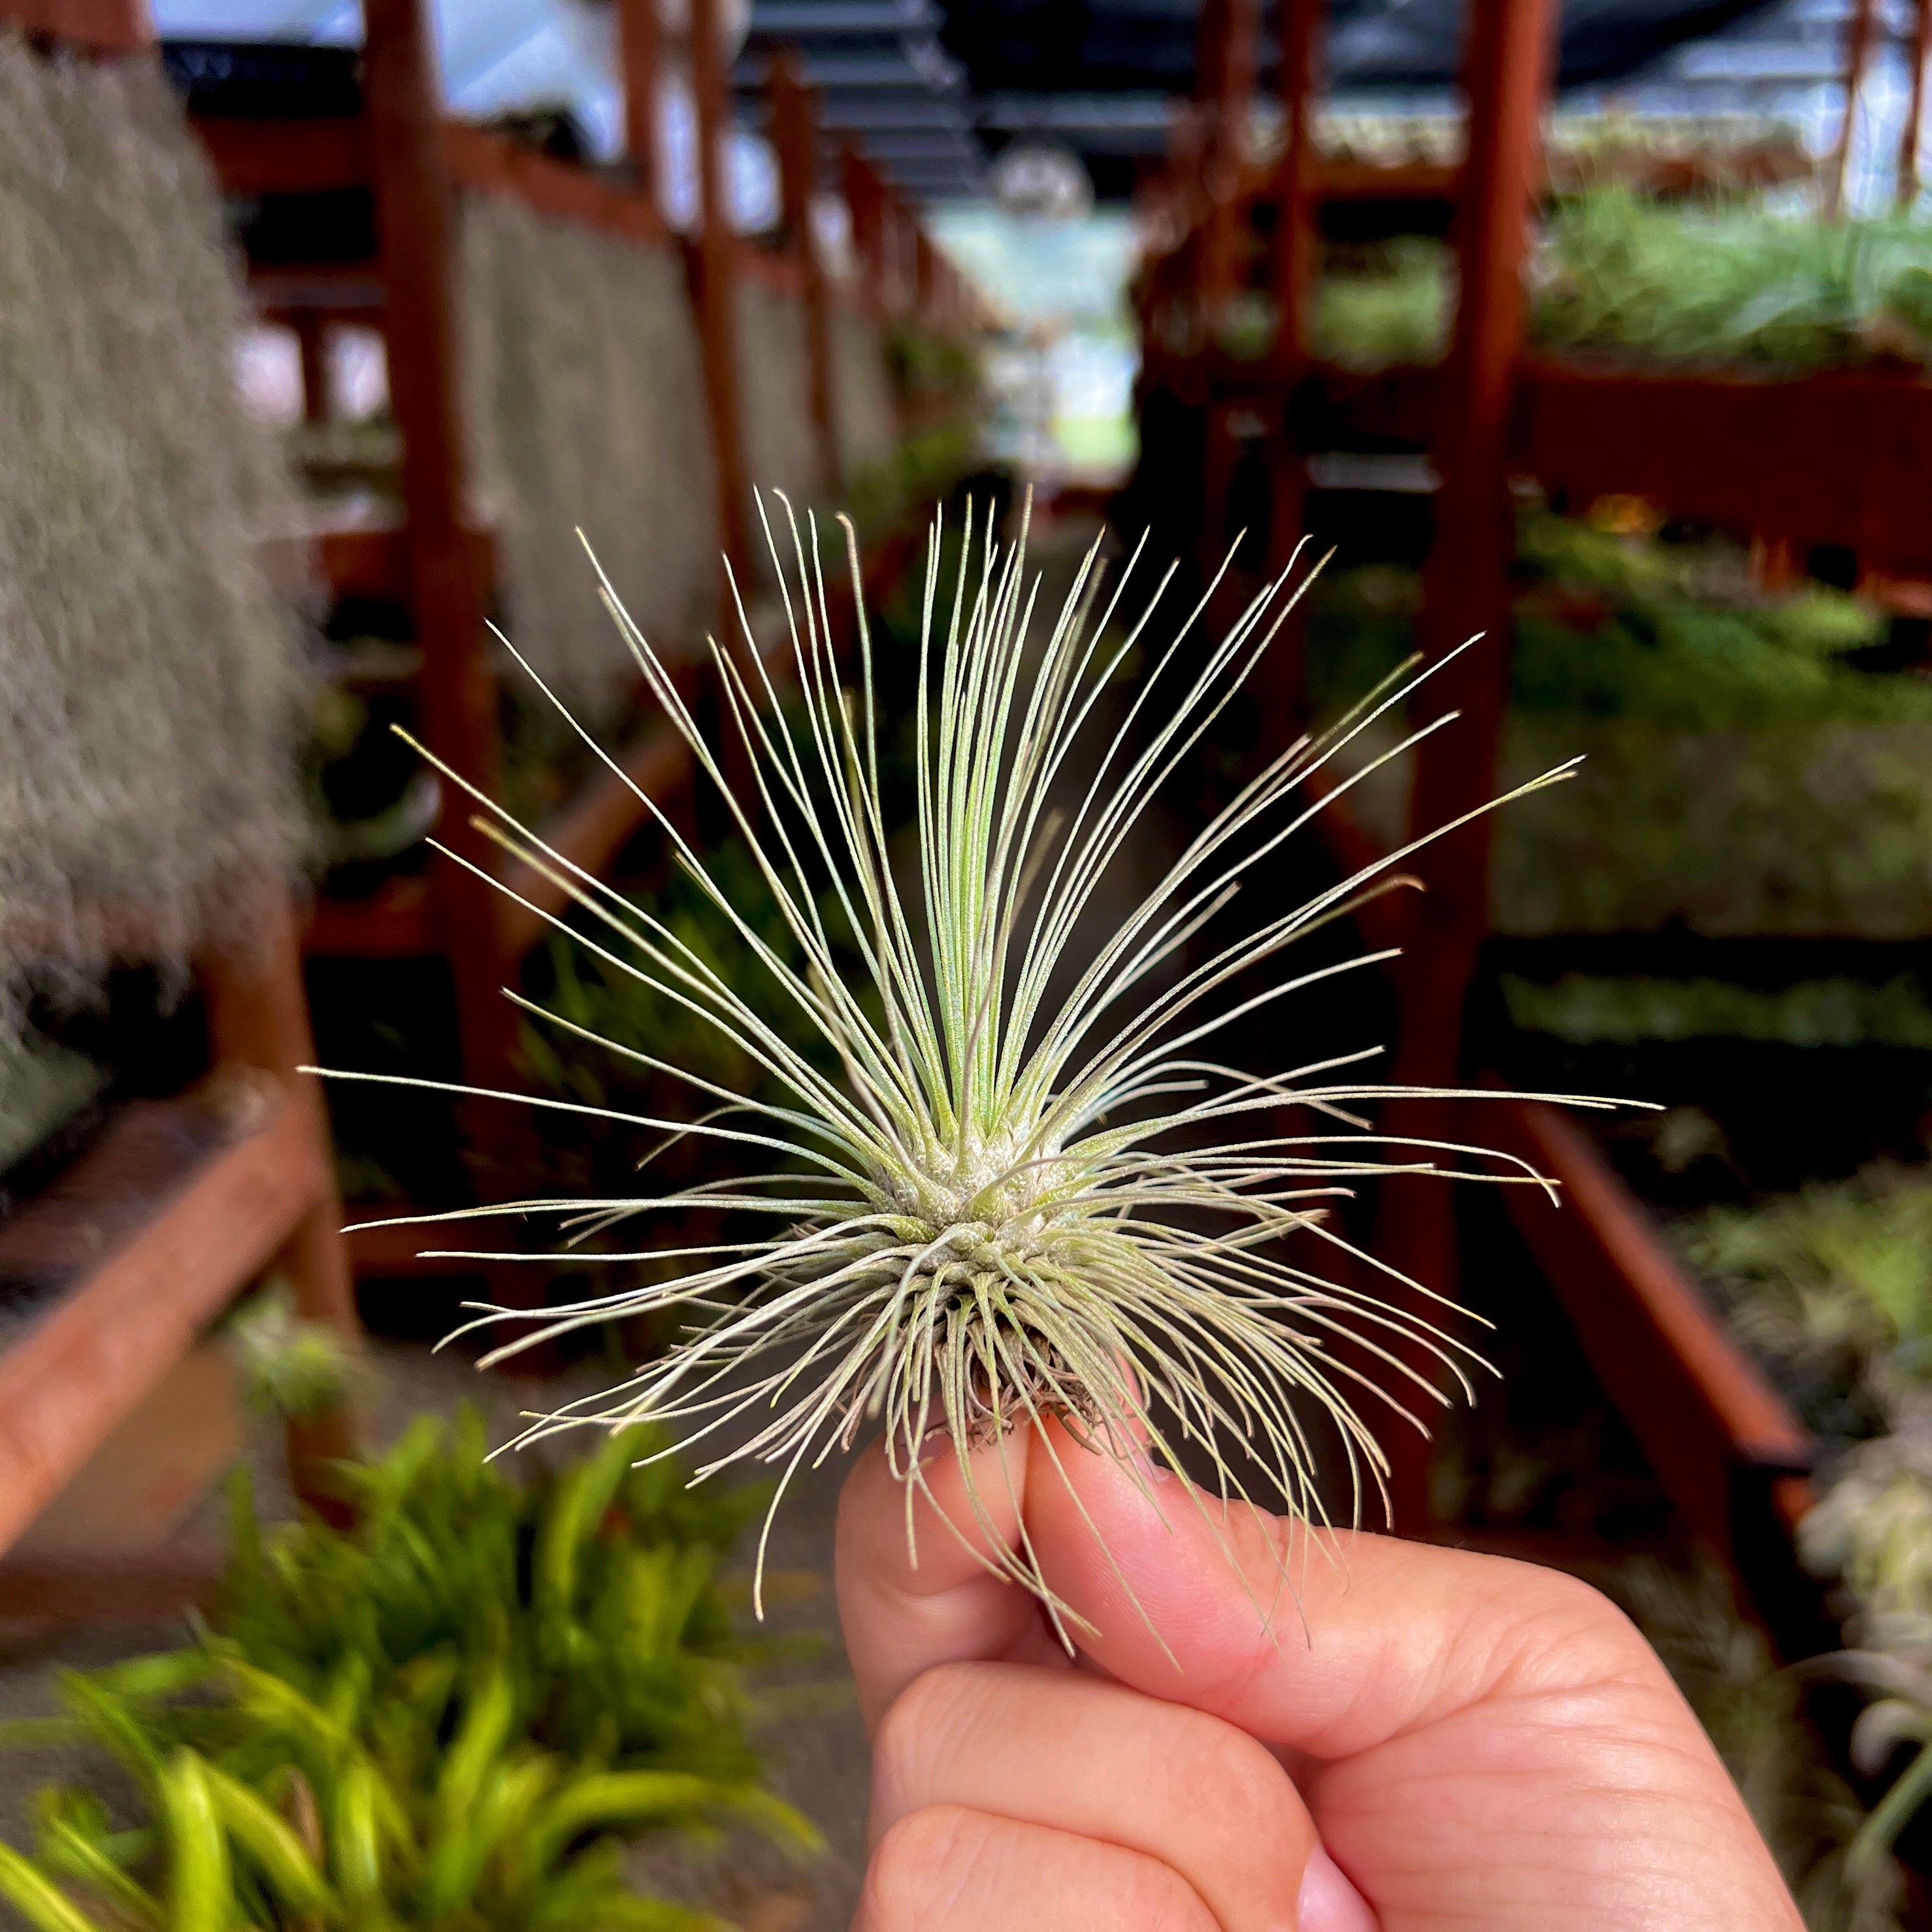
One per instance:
(919, 1859)
(1151, 1897)
(1567, 1630)
(1229, 1771)
(923, 1719)
(1588, 1614)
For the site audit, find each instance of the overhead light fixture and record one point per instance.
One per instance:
(1042, 181)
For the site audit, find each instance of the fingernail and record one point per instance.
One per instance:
(1329, 1902)
(1156, 1471)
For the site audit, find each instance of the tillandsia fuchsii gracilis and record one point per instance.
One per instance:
(1031, 1191)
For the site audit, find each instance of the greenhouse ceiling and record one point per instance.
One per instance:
(933, 89)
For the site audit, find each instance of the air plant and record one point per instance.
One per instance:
(1036, 1192)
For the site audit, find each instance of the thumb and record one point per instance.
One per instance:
(1481, 1742)
(916, 1568)
(1330, 1643)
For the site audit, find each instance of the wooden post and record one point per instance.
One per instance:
(1297, 243)
(894, 229)
(1466, 591)
(257, 1016)
(865, 198)
(1908, 140)
(1210, 56)
(1228, 31)
(924, 275)
(311, 333)
(101, 26)
(416, 218)
(1858, 51)
(415, 212)
(717, 293)
(1295, 270)
(795, 135)
(638, 47)
(1225, 69)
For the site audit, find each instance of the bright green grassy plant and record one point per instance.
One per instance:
(449, 1717)
(1610, 626)
(1732, 285)
(1387, 306)
(1839, 1268)
(1034, 1190)
(1722, 284)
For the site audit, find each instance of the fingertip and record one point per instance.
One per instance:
(1157, 1568)
(923, 1531)
(1329, 1902)
(917, 1564)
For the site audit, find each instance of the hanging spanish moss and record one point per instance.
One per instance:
(868, 415)
(149, 676)
(586, 407)
(780, 450)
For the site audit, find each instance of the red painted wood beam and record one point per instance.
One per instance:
(1229, 33)
(257, 1010)
(795, 134)
(1908, 140)
(639, 53)
(416, 218)
(1295, 269)
(1465, 592)
(865, 195)
(1297, 177)
(1859, 33)
(1703, 1413)
(83, 1366)
(484, 162)
(100, 26)
(717, 293)
(255, 158)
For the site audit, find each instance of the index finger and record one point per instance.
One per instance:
(915, 1586)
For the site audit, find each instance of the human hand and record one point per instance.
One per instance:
(1435, 1740)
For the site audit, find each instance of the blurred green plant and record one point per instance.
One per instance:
(1615, 626)
(1752, 1712)
(1386, 305)
(592, 994)
(452, 1717)
(1744, 773)
(1587, 1007)
(925, 363)
(1830, 1288)
(1730, 284)
(289, 1366)
(1718, 283)
(901, 487)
